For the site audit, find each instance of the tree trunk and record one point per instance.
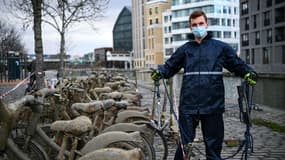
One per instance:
(62, 42)
(62, 54)
(37, 12)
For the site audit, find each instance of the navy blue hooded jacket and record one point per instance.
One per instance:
(202, 90)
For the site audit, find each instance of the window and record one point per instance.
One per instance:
(235, 10)
(245, 40)
(223, 22)
(165, 19)
(227, 34)
(246, 24)
(247, 56)
(252, 55)
(212, 21)
(150, 11)
(283, 54)
(280, 34)
(265, 55)
(180, 25)
(268, 3)
(258, 5)
(156, 21)
(257, 38)
(278, 1)
(168, 51)
(266, 16)
(224, 10)
(229, 22)
(244, 8)
(150, 21)
(254, 21)
(217, 34)
(280, 15)
(269, 36)
(156, 10)
(166, 40)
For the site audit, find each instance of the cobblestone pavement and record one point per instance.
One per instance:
(268, 144)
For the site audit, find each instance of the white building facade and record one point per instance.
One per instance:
(223, 20)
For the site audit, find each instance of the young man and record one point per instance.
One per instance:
(202, 91)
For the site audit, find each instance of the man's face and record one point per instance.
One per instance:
(198, 22)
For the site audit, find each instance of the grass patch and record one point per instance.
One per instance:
(273, 126)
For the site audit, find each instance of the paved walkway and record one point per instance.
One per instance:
(268, 144)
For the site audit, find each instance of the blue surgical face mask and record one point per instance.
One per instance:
(199, 32)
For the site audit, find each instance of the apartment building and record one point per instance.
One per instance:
(262, 27)
(154, 31)
(223, 20)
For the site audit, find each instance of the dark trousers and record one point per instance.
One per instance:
(212, 126)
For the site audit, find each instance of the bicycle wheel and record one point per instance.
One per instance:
(148, 147)
(157, 139)
(33, 150)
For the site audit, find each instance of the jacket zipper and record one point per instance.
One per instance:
(199, 91)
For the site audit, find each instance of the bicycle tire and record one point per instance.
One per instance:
(34, 151)
(148, 147)
(159, 143)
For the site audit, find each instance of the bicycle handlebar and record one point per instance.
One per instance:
(32, 101)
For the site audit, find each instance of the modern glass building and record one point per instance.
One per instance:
(223, 20)
(122, 31)
(262, 27)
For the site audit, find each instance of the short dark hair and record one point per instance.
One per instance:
(196, 14)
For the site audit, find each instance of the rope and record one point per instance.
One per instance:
(14, 88)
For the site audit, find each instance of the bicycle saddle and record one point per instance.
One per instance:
(88, 108)
(76, 127)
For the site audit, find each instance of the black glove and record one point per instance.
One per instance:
(155, 75)
(251, 78)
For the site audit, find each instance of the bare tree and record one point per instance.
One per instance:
(31, 11)
(62, 14)
(10, 39)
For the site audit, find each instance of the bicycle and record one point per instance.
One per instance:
(13, 148)
(36, 132)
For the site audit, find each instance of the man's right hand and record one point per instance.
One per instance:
(251, 78)
(155, 75)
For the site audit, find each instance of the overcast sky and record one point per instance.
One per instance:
(82, 38)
